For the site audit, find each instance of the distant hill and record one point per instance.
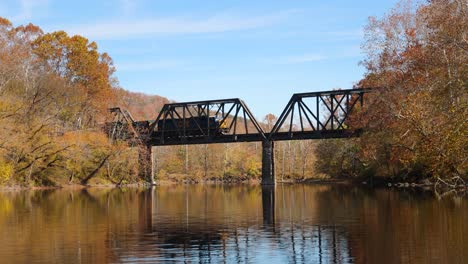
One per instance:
(141, 106)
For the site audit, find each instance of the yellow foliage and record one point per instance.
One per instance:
(82, 138)
(6, 170)
(253, 167)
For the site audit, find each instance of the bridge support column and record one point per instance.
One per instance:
(268, 163)
(146, 164)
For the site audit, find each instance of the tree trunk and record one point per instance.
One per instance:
(95, 171)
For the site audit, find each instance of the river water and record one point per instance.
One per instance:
(233, 224)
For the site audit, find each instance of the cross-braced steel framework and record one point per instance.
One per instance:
(203, 122)
(121, 127)
(306, 116)
(124, 127)
(319, 115)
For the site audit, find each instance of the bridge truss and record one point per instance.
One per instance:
(204, 122)
(319, 115)
(306, 116)
(314, 115)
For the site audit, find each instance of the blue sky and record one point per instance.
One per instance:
(260, 51)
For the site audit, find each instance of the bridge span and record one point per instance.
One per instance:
(314, 115)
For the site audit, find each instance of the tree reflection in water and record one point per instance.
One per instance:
(220, 223)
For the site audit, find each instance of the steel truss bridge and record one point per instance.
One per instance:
(315, 115)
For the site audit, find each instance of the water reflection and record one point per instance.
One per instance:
(219, 223)
(268, 205)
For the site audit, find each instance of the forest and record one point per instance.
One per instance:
(416, 125)
(55, 91)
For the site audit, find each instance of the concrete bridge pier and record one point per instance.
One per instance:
(268, 163)
(146, 164)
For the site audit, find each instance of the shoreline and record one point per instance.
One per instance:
(379, 183)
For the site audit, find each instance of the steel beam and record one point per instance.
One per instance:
(326, 107)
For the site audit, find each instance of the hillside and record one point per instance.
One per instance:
(141, 106)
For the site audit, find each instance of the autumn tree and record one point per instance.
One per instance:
(416, 121)
(52, 86)
(78, 61)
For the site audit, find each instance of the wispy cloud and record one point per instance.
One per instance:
(294, 59)
(303, 58)
(128, 7)
(351, 51)
(148, 66)
(353, 33)
(325, 36)
(181, 25)
(27, 7)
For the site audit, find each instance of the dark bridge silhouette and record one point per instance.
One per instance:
(315, 115)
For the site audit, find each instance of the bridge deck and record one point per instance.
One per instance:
(317, 115)
(279, 136)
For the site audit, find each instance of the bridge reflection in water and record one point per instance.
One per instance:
(220, 223)
(194, 234)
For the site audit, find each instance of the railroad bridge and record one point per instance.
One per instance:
(315, 115)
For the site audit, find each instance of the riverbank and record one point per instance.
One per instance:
(436, 185)
(99, 183)
(375, 182)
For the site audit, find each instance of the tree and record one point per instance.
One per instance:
(419, 55)
(79, 62)
(50, 84)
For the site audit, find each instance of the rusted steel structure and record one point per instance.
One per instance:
(316, 115)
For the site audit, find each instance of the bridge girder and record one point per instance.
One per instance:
(315, 115)
(318, 115)
(204, 122)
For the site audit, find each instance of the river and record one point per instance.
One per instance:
(232, 224)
